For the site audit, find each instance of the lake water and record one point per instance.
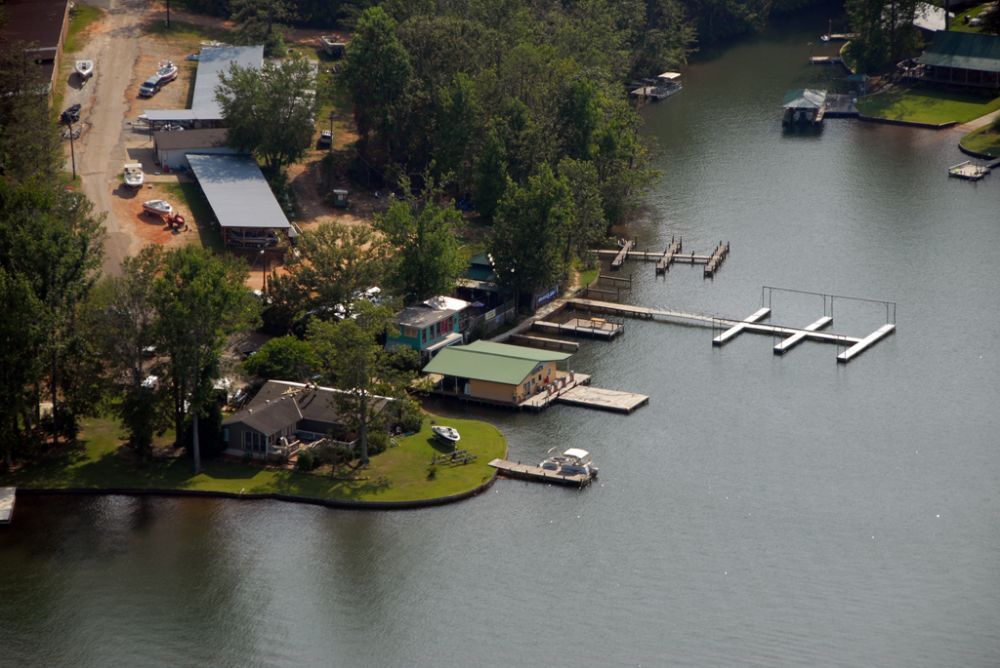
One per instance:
(761, 511)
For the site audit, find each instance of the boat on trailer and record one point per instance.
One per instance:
(85, 68)
(166, 72)
(447, 434)
(132, 174)
(158, 207)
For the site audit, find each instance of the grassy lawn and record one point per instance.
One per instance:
(83, 17)
(927, 105)
(984, 140)
(191, 194)
(399, 474)
(189, 35)
(958, 24)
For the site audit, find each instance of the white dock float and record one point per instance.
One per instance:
(757, 316)
(6, 504)
(865, 343)
(796, 338)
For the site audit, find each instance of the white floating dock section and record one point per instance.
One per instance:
(797, 337)
(6, 504)
(757, 316)
(865, 343)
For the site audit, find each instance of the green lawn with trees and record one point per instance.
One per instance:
(403, 472)
(83, 17)
(935, 106)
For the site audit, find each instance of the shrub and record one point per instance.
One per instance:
(378, 441)
(307, 461)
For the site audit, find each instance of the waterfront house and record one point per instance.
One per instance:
(962, 59)
(496, 373)
(428, 327)
(283, 416)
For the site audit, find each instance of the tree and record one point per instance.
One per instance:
(285, 357)
(260, 22)
(269, 111)
(122, 321)
(420, 234)
(587, 224)
(21, 332)
(201, 299)
(334, 262)
(29, 141)
(352, 360)
(377, 73)
(491, 175)
(579, 118)
(529, 234)
(51, 238)
(456, 131)
(884, 31)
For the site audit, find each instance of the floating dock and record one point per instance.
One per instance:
(538, 474)
(663, 264)
(547, 343)
(663, 259)
(7, 495)
(825, 60)
(968, 170)
(608, 400)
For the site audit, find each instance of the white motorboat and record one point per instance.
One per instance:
(166, 72)
(447, 434)
(571, 462)
(158, 206)
(85, 68)
(132, 174)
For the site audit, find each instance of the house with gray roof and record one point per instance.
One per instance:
(962, 59)
(284, 415)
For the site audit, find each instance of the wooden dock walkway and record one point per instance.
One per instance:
(616, 401)
(663, 264)
(598, 328)
(622, 255)
(7, 495)
(716, 259)
(538, 474)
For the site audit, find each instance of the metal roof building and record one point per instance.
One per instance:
(248, 214)
(172, 147)
(963, 58)
(211, 63)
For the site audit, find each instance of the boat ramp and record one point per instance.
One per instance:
(7, 495)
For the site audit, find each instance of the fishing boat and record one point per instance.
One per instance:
(85, 68)
(158, 207)
(166, 72)
(132, 174)
(571, 462)
(447, 434)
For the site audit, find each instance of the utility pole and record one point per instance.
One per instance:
(168, 13)
(72, 150)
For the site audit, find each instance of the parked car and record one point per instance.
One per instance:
(150, 86)
(325, 138)
(71, 115)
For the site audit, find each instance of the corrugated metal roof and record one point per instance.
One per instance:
(805, 98)
(190, 139)
(211, 62)
(492, 362)
(237, 191)
(963, 51)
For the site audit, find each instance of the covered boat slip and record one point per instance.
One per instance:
(249, 216)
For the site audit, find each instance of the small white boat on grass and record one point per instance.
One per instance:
(85, 68)
(447, 434)
(158, 207)
(571, 462)
(132, 175)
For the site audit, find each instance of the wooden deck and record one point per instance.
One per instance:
(533, 341)
(597, 328)
(663, 259)
(616, 401)
(968, 170)
(537, 473)
(716, 259)
(622, 254)
(663, 264)
(7, 495)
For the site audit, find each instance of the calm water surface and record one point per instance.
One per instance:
(761, 511)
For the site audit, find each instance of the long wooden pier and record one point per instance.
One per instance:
(538, 474)
(733, 327)
(7, 495)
